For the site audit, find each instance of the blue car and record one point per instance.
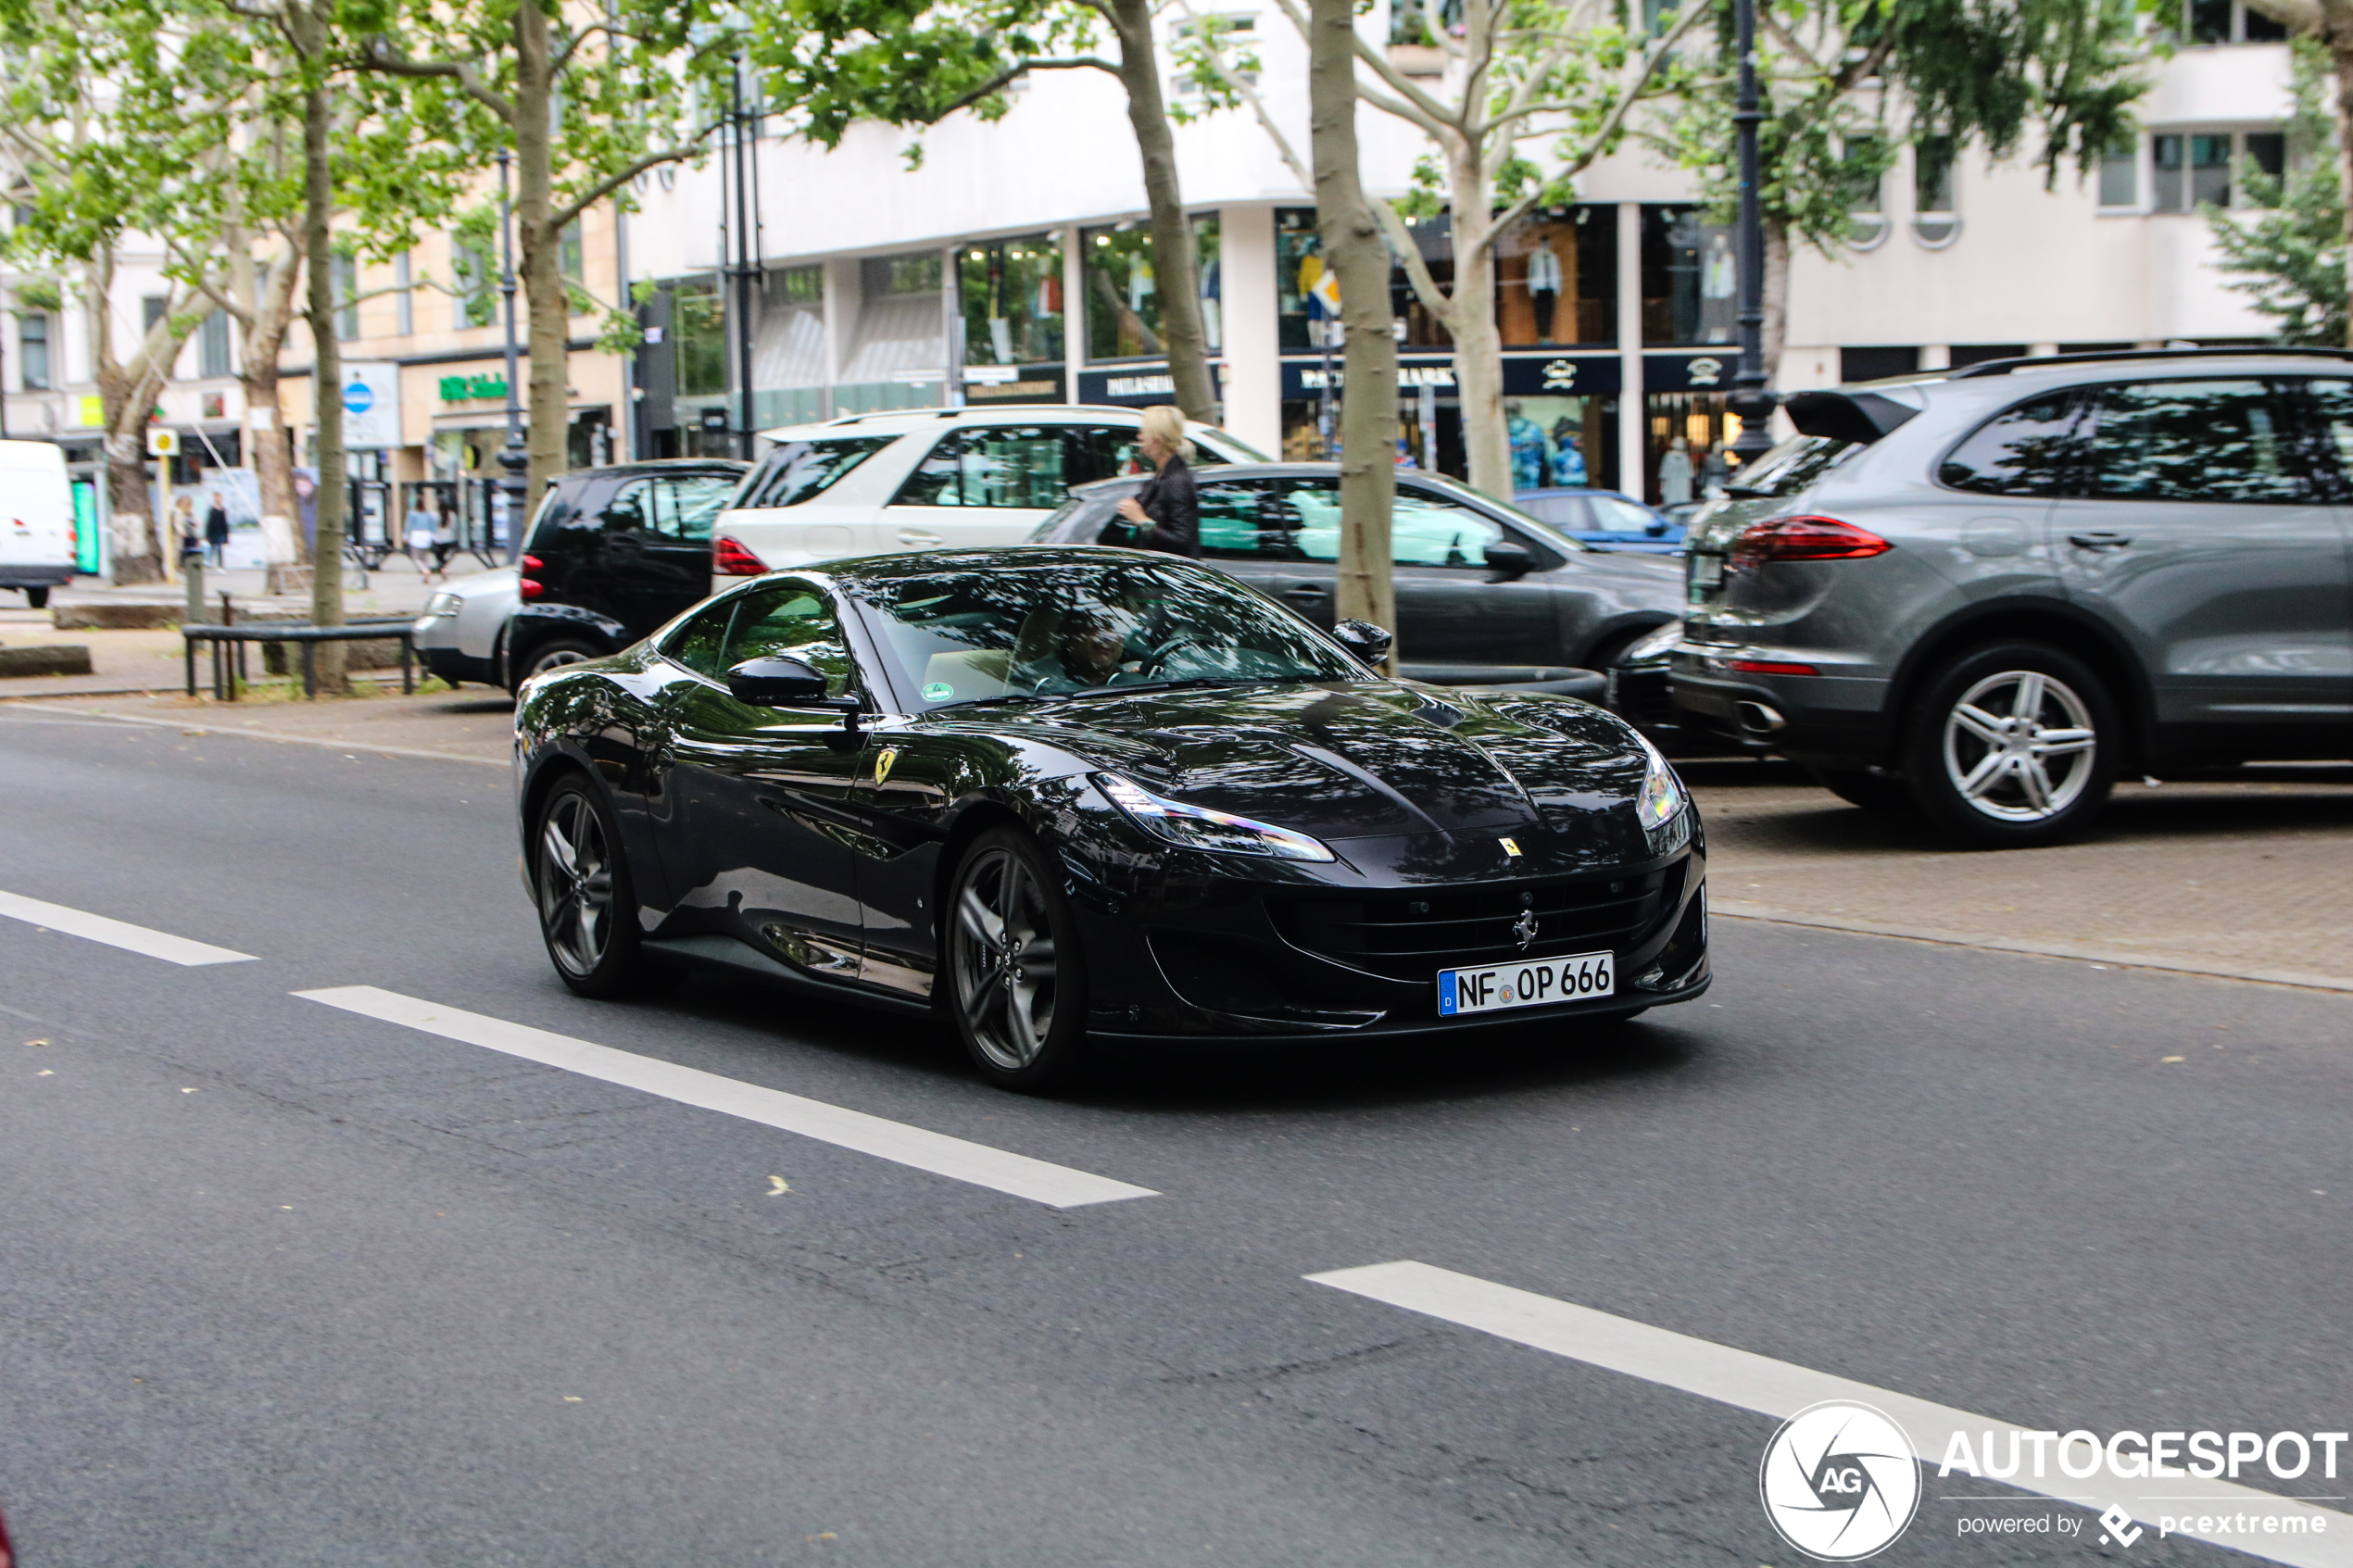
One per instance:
(1606, 518)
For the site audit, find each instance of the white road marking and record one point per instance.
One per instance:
(1056, 1185)
(1780, 1389)
(117, 933)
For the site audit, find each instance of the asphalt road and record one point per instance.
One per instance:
(285, 1284)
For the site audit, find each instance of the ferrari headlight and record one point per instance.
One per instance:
(1662, 797)
(1198, 827)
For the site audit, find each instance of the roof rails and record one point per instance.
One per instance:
(2003, 367)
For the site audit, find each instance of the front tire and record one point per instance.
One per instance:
(1014, 988)
(588, 899)
(2015, 747)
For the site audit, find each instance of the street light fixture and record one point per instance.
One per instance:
(1752, 397)
(513, 457)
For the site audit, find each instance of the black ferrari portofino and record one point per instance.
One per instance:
(1055, 793)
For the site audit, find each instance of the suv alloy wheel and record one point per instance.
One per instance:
(2016, 746)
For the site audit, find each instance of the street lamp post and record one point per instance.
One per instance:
(513, 457)
(1752, 397)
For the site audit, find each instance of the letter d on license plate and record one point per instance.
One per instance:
(1578, 978)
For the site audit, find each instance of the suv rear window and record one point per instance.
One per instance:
(1794, 465)
(800, 469)
(2022, 451)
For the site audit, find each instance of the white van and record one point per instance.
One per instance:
(36, 519)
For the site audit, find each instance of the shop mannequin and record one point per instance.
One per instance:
(1543, 287)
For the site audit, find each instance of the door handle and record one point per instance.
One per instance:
(918, 538)
(1307, 592)
(2100, 539)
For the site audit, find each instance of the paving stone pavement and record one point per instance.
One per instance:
(2247, 876)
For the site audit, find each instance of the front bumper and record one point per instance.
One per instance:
(1226, 957)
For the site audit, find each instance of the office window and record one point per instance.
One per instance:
(2228, 21)
(405, 302)
(2190, 169)
(474, 275)
(212, 345)
(1935, 218)
(2120, 177)
(1863, 164)
(698, 335)
(346, 276)
(32, 351)
(151, 309)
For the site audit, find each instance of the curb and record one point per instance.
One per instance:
(2121, 958)
(329, 743)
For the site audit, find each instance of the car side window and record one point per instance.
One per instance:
(1309, 510)
(1565, 513)
(685, 507)
(2022, 451)
(1104, 452)
(1426, 531)
(698, 643)
(2192, 441)
(1008, 466)
(1611, 515)
(790, 621)
(1246, 522)
(2332, 410)
(797, 470)
(629, 509)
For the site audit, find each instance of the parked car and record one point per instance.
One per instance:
(922, 478)
(613, 553)
(1043, 794)
(1485, 594)
(36, 519)
(1990, 593)
(1606, 518)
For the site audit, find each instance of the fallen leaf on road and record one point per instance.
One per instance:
(187, 1091)
(44, 1073)
(2171, 1058)
(778, 1187)
(571, 1398)
(36, 1042)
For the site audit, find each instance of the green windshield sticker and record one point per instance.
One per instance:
(938, 691)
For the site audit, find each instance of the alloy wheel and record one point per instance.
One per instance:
(1003, 959)
(575, 883)
(2019, 746)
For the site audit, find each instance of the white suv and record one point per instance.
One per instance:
(928, 479)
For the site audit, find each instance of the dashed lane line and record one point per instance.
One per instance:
(117, 933)
(1057, 1187)
(1780, 1389)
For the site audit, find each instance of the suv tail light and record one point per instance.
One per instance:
(729, 559)
(529, 587)
(1806, 538)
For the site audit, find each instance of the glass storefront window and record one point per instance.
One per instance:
(698, 332)
(1557, 442)
(1434, 237)
(1123, 290)
(1687, 446)
(1299, 261)
(1556, 279)
(1689, 289)
(1012, 294)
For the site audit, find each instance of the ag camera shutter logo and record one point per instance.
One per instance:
(1839, 1481)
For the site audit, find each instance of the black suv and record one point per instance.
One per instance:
(615, 553)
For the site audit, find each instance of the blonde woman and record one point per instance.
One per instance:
(1167, 509)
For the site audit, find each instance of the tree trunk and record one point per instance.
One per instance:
(2340, 48)
(1175, 267)
(1478, 340)
(1354, 250)
(270, 308)
(134, 555)
(1775, 325)
(326, 380)
(538, 244)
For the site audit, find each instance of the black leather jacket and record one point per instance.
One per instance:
(1170, 500)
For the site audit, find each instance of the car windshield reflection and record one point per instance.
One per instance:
(1070, 629)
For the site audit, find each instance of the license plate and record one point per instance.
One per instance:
(1578, 978)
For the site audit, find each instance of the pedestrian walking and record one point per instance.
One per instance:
(1167, 509)
(444, 538)
(1715, 472)
(418, 535)
(216, 531)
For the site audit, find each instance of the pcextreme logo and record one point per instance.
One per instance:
(1839, 1481)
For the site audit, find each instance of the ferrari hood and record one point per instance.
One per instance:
(1360, 761)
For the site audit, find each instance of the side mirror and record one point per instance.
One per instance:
(1509, 561)
(1369, 643)
(1658, 529)
(779, 683)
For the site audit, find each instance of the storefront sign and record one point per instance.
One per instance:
(469, 389)
(1710, 372)
(1136, 384)
(1561, 375)
(1304, 378)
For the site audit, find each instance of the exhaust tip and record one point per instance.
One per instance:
(1758, 717)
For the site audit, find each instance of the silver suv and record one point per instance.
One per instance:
(1988, 594)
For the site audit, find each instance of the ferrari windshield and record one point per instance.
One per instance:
(1065, 628)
